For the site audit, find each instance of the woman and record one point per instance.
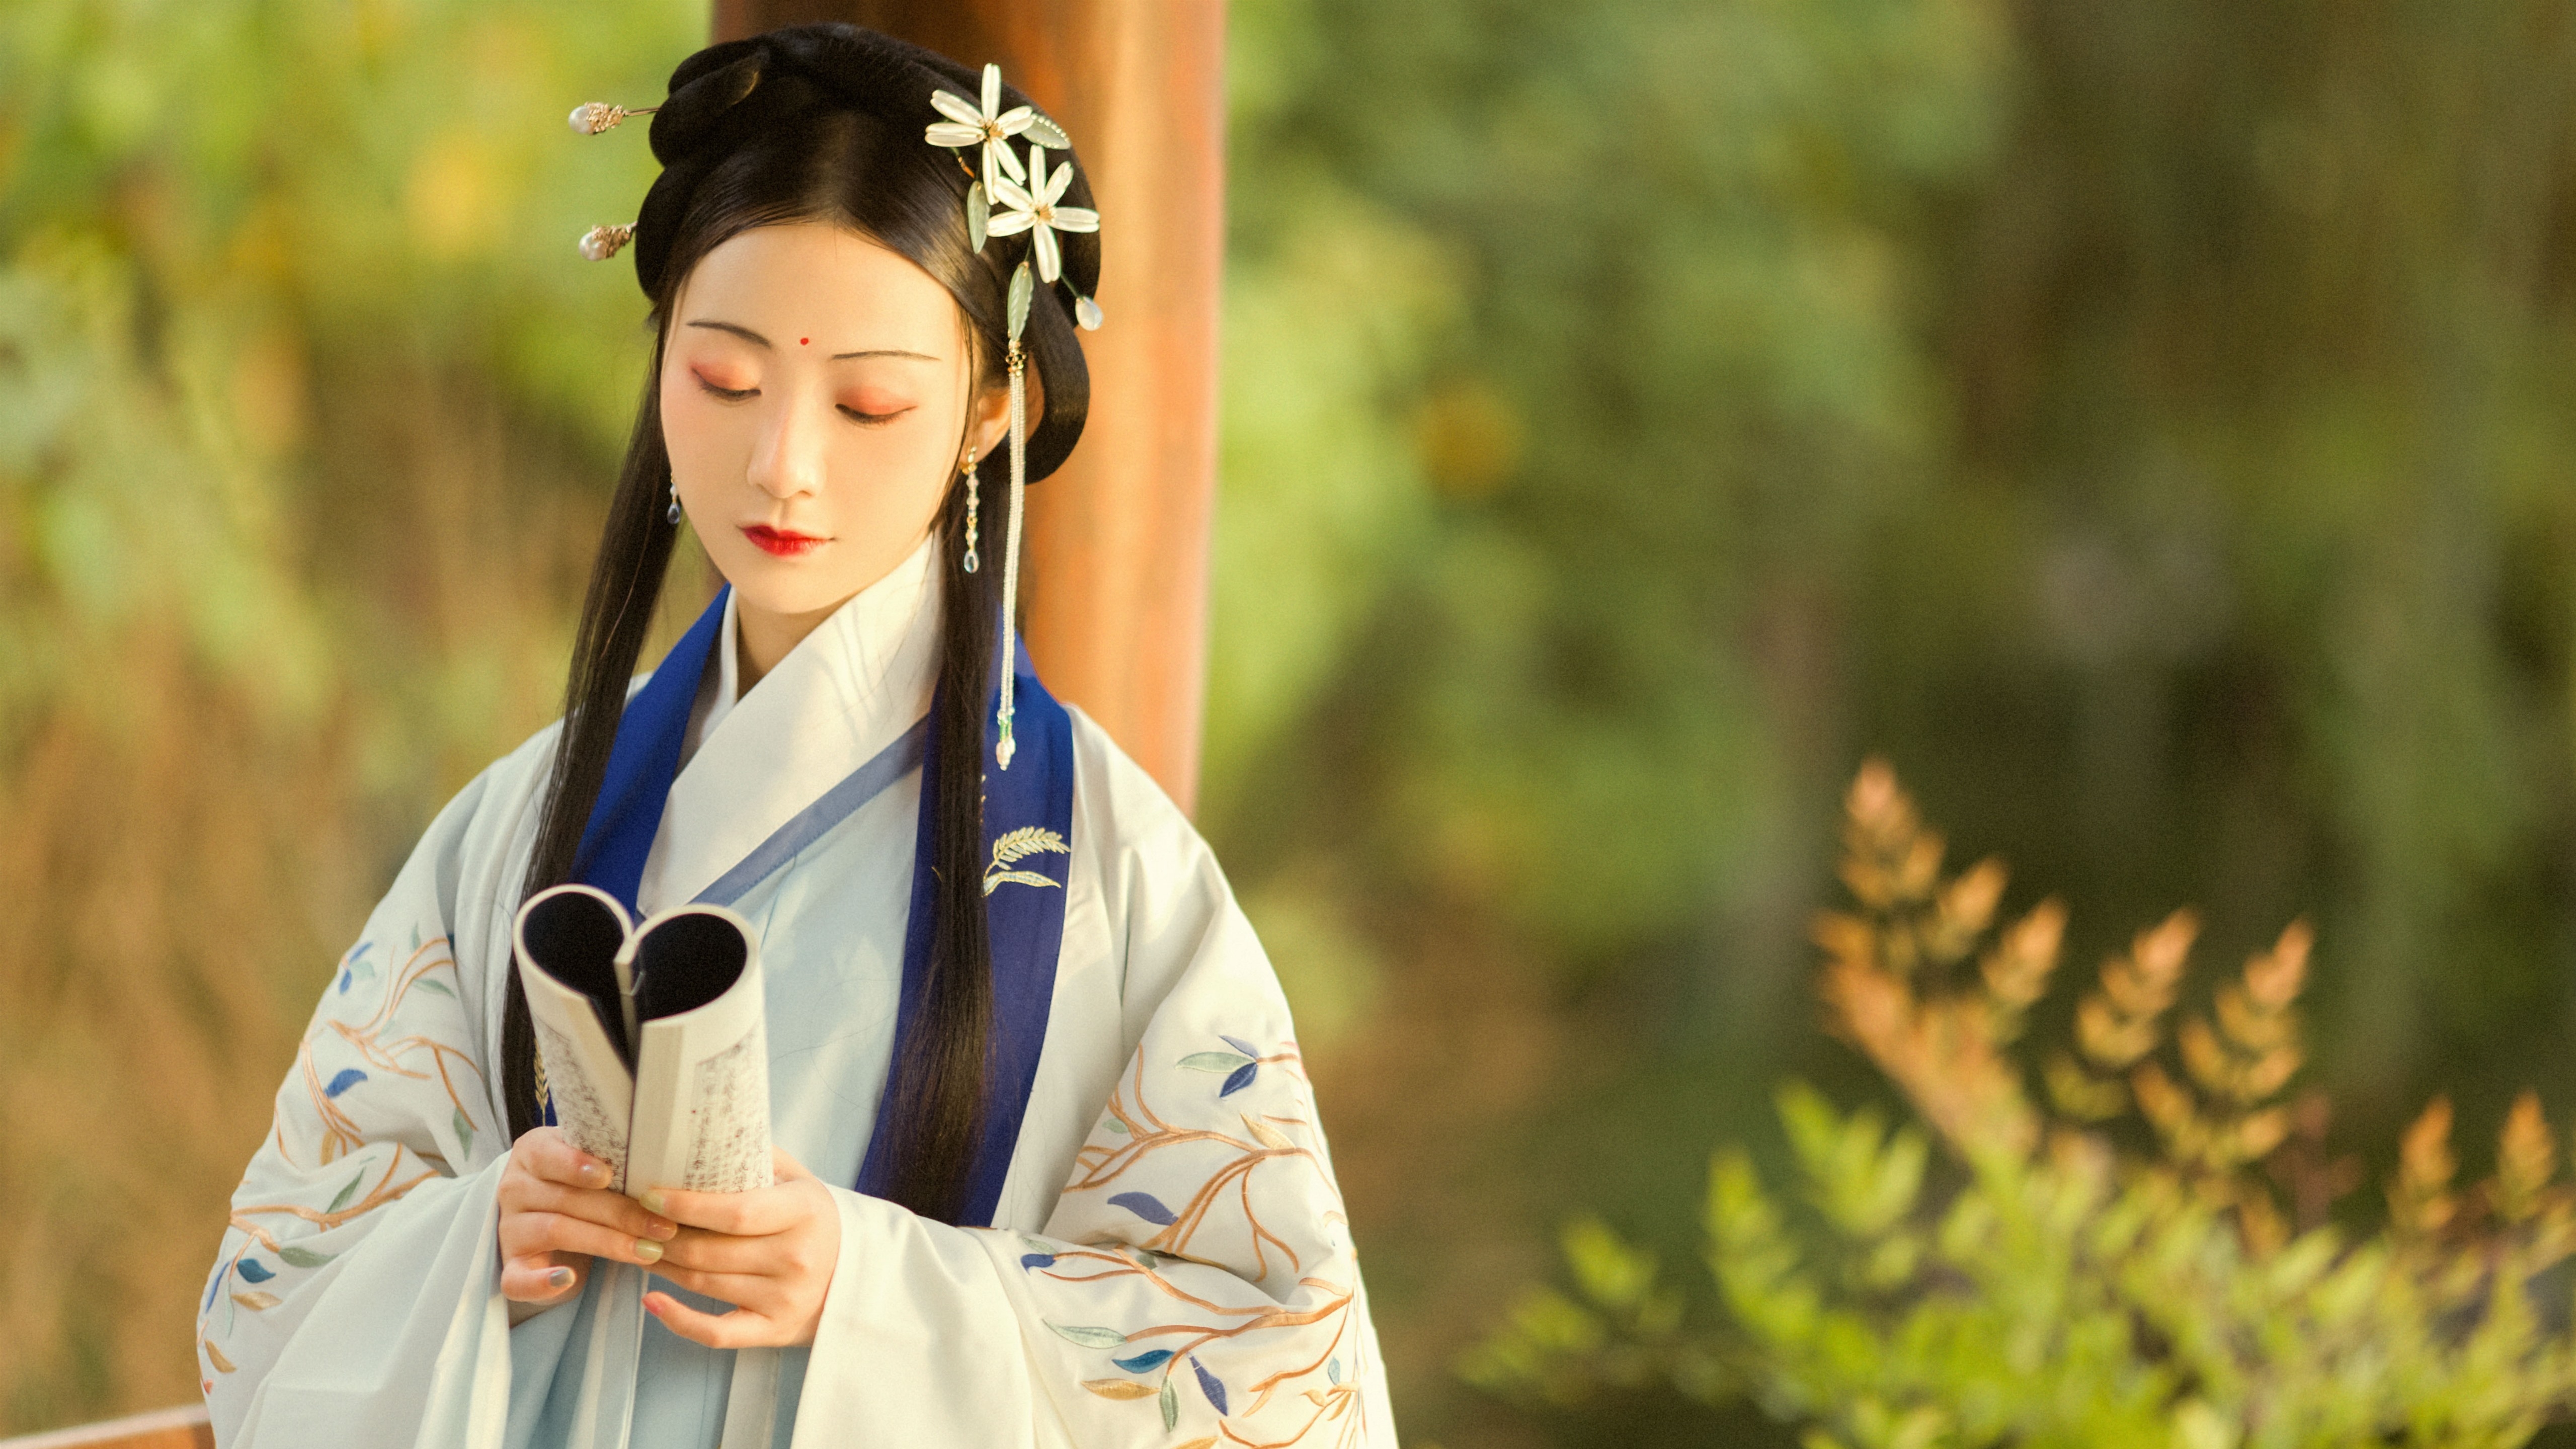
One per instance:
(1048, 1170)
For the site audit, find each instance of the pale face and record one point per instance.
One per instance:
(815, 393)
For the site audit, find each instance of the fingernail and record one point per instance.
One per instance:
(593, 1174)
(648, 1250)
(662, 1228)
(559, 1279)
(652, 1307)
(655, 1201)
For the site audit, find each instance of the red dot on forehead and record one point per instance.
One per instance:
(801, 341)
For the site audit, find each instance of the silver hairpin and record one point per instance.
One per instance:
(592, 117)
(602, 242)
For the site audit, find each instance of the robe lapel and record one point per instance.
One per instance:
(1028, 854)
(619, 834)
(850, 689)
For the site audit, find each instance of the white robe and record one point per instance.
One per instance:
(1169, 1264)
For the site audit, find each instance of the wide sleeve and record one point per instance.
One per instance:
(352, 1301)
(1195, 1283)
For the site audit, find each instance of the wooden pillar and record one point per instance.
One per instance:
(1118, 541)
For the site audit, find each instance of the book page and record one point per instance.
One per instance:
(702, 1085)
(586, 1078)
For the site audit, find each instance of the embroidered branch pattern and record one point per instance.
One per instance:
(415, 1056)
(1280, 1334)
(1017, 845)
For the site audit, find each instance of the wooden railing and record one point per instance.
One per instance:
(162, 1429)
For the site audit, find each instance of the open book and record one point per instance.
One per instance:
(653, 1038)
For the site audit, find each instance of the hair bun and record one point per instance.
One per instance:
(697, 102)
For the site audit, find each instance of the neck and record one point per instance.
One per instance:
(766, 636)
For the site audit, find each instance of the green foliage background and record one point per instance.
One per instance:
(2148, 424)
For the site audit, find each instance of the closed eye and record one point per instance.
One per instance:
(871, 420)
(729, 394)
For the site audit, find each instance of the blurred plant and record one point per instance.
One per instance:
(2066, 1278)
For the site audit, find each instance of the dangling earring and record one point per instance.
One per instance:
(674, 513)
(972, 560)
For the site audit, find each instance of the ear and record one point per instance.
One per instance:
(989, 415)
(989, 420)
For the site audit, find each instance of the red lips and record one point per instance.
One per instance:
(781, 542)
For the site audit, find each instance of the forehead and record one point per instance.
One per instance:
(837, 286)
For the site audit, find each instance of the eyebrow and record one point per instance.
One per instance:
(756, 340)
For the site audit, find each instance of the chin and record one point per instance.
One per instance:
(771, 595)
(808, 585)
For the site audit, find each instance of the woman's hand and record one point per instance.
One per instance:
(557, 1214)
(770, 1252)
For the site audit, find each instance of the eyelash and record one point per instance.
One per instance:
(865, 420)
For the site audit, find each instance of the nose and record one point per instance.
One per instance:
(789, 458)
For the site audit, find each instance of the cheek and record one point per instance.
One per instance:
(695, 431)
(891, 472)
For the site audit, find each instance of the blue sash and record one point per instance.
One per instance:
(1028, 834)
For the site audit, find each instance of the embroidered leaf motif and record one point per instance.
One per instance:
(1147, 1206)
(1206, 1443)
(1241, 1079)
(1171, 1405)
(436, 986)
(1333, 1371)
(1239, 1044)
(222, 1364)
(1114, 1125)
(1208, 1384)
(304, 1257)
(1267, 1135)
(1037, 1245)
(464, 1126)
(255, 1271)
(1118, 1388)
(1089, 1337)
(348, 1077)
(344, 982)
(1001, 878)
(1028, 840)
(415, 935)
(256, 1301)
(1150, 1358)
(1037, 1260)
(1215, 1062)
(1013, 845)
(347, 1193)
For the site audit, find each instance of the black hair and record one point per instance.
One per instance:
(825, 123)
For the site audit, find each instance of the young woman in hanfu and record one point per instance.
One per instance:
(1048, 1168)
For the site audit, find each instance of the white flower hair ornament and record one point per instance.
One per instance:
(1035, 210)
(1029, 195)
(986, 125)
(1030, 199)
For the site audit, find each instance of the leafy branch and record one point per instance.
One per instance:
(2074, 1283)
